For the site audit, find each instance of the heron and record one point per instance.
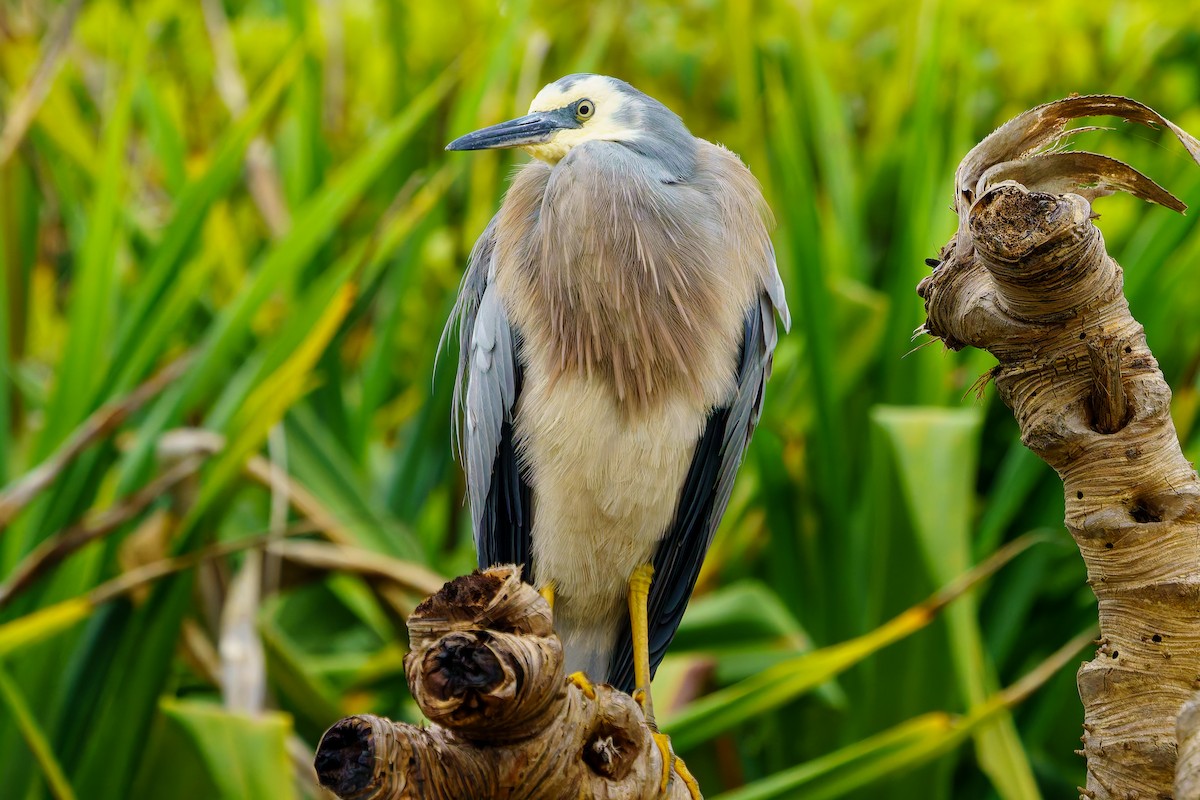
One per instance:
(617, 321)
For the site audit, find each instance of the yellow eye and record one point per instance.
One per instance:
(585, 109)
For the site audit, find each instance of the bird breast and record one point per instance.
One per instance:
(613, 275)
(606, 486)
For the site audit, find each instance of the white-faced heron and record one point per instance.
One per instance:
(617, 323)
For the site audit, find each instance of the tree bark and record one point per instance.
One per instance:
(1187, 732)
(487, 671)
(1027, 277)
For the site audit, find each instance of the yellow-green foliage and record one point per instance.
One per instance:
(310, 309)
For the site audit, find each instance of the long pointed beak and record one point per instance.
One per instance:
(534, 128)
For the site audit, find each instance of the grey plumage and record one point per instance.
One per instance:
(617, 322)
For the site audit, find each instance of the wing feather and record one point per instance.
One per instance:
(487, 386)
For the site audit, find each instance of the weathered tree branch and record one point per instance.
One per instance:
(1187, 733)
(487, 670)
(1027, 277)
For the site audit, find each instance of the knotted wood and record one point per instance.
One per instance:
(1027, 277)
(487, 671)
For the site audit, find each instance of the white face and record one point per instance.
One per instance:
(602, 124)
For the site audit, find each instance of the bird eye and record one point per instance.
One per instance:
(585, 109)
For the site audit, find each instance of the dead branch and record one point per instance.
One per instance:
(1027, 277)
(487, 670)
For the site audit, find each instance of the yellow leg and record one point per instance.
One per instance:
(547, 593)
(639, 623)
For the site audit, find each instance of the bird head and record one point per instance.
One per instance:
(574, 110)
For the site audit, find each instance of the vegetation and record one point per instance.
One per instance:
(258, 202)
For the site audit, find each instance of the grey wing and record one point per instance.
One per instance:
(707, 488)
(486, 388)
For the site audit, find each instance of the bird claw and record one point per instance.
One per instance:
(674, 764)
(663, 743)
(671, 762)
(584, 685)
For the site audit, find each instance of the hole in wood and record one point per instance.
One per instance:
(610, 751)
(1142, 512)
(462, 665)
(345, 757)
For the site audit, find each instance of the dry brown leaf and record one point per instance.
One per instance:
(1045, 125)
(347, 558)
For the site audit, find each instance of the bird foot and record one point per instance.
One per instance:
(663, 743)
(674, 764)
(671, 762)
(581, 680)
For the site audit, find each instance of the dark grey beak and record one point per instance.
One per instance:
(534, 128)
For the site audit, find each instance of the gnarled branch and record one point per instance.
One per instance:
(1027, 277)
(487, 670)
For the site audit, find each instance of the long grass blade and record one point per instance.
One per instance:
(784, 682)
(91, 316)
(190, 210)
(313, 223)
(35, 738)
(936, 452)
(903, 747)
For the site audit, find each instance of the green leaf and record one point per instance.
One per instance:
(746, 628)
(936, 453)
(743, 613)
(311, 226)
(146, 309)
(42, 624)
(784, 682)
(245, 757)
(859, 764)
(92, 312)
(164, 133)
(322, 464)
(902, 747)
(35, 738)
(299, 688)
(265, 406)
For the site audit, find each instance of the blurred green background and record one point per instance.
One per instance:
(253, 196)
